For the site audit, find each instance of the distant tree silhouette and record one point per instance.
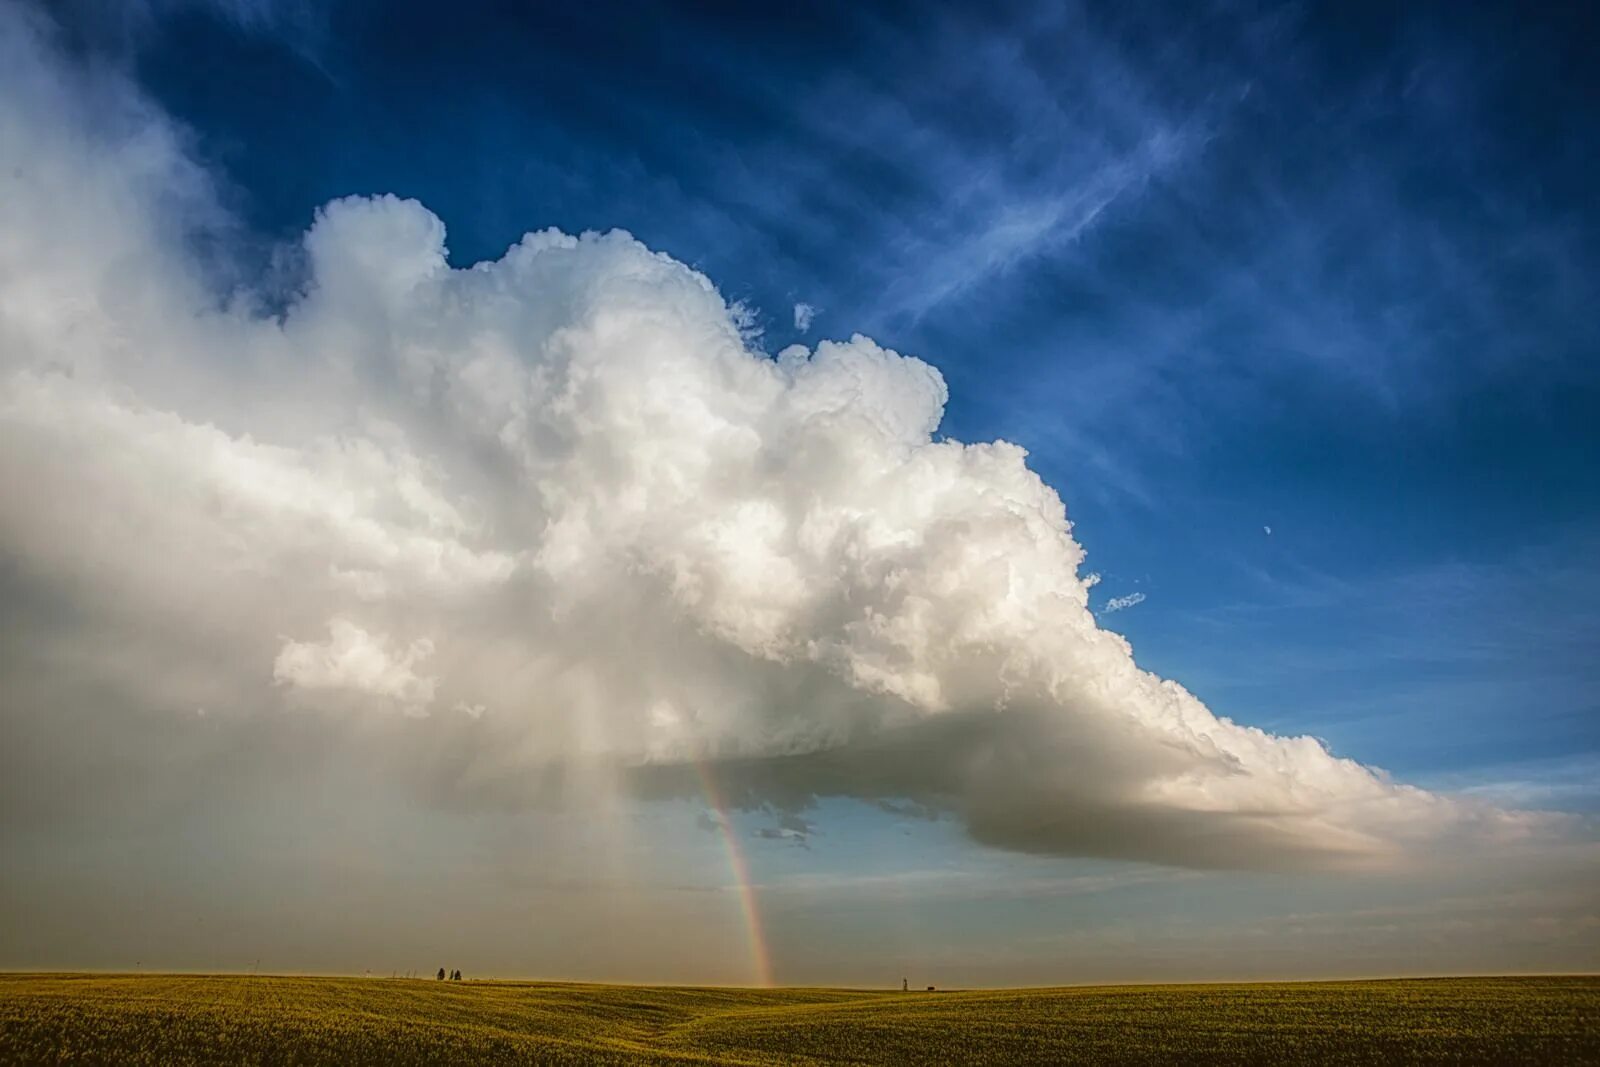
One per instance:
(441, 974)
(456, 977)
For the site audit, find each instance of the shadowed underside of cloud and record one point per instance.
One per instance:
(561, 491)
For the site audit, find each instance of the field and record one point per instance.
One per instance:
(189, 1019)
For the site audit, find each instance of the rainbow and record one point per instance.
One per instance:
(760, 956)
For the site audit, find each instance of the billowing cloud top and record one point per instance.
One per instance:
(561, 491)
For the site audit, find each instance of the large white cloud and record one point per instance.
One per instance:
(560, 488)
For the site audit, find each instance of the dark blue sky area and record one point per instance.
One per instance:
(1329, 270)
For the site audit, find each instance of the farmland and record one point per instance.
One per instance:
(192, 1019)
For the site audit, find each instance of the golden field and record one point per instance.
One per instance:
(195, 1019)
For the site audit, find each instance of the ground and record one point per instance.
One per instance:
(191, 1019)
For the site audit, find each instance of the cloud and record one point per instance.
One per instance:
(591, 509)
(1019, 227)
(799, 838)
(1118, 603)
(301, 26)
(803, 314)
(352, 659)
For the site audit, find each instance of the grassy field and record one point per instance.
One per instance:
(189, 1019)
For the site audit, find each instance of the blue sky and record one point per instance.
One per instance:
(1326, 271)
(1294, 306)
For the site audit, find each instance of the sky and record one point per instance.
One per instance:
(810, 494)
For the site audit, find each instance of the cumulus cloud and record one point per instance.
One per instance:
(353, 659)
(561, 492)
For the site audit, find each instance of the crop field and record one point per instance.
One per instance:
(192, 1019)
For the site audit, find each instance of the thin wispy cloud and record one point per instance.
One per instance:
(980, 211)
(1013, 226)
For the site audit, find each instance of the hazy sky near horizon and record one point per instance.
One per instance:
(816, 495)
